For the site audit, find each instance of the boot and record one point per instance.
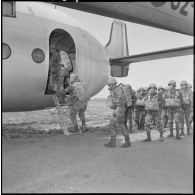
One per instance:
(182, 132)
(112, 142)
(177, 134)
(130, 126)
(148, 139)
(127, 142)
(84, 128)
(130, 129)
(76, 128)
(188, 131)
(171, 133)
(141, 127)
(161, 137)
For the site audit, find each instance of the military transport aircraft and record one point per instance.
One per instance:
(30, 27)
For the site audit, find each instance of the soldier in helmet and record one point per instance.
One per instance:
(153, 103)
(145, 91)
(190, 89)
(139, 109)
(54, 61)
(77, 101)
(117, 101)
(130, 98)
(173, 102)
(187, 106)
(59, 66)
(164, 118)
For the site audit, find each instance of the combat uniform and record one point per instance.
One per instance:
(163, 109)
(130, 103)
(139, 112)
(174, 111)
(186, 109)
(54, 63)
(117, 121)
(153, 113)
(118, 117)
(77, 101)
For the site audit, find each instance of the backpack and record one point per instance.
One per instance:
(65, 60)
(80, 90)
(128, 94)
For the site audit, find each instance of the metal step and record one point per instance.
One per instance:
(61, 111)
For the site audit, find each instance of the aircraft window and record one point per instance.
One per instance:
(38, 55)
(9, 8)
(6, 51)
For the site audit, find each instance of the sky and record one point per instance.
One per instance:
(142, 39)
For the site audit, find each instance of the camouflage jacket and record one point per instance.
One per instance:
(118, 96)
(187, 94)
(54, 60)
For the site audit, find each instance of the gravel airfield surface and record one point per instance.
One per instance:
(38, 158)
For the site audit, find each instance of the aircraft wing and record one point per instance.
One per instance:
(120, 66)
(172, 16)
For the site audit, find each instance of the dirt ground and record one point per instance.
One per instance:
(54, 163)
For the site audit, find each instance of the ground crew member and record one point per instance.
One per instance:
(173, 102)
(140, 109)
(153, 103)
(164, 117)
(77, 101)
(187, 106)
(130, 93)
(117, 101)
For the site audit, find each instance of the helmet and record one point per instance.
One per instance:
(160, 87)
(73, 77)
(112, 81)
(152, 85)
(145, 88)
(172, 82)
(128, 85)
(183, 82)
(189, 85)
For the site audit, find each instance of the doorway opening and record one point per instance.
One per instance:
(62, 54)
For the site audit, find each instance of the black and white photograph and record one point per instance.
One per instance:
(97, 97)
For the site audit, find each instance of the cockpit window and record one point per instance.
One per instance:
(9, 8)
(6, 51)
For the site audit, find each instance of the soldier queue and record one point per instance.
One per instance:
(151, 105)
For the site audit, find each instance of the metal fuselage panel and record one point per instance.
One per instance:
(173, 16)
(24, 81)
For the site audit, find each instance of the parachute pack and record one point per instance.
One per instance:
(80, 91)
(128, 93)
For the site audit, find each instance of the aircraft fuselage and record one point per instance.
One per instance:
(28, 36)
